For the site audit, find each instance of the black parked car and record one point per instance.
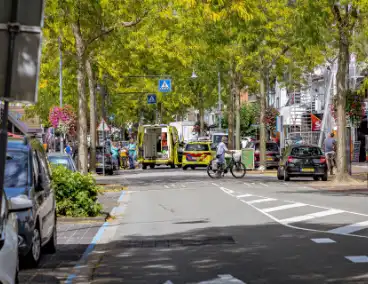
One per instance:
(27, 174)
(302, 161)
(272, 153)
(109, 165)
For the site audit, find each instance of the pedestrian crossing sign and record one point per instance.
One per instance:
(151, 99)
(164, 86)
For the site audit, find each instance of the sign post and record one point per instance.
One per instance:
(20, 36)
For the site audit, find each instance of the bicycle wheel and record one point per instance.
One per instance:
(238, 170)
(211, 172)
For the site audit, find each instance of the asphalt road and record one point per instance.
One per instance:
(183, 227)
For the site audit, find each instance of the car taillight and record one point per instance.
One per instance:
(290, 159)
(269, 154)
(322, 160)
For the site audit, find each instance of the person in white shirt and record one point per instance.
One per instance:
(221, 150)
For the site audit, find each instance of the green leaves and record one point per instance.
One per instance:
(76, 194)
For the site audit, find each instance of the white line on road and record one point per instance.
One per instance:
(323, 241)
(261, 200)
(244, 195)
(247, 184)
(229, 191)
(165, 186)
(357, 258)
(263, 184)
(350, 228)
(284, 207)
(310, 216)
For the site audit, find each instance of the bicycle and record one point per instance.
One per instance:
(215, 170)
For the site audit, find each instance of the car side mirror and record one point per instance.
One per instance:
(20, 203)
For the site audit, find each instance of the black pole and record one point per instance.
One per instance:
(13, 30)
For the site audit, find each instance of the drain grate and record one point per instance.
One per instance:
(166, 243)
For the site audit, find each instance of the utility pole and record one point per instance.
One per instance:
(219, 101)
(61, 90)
(103, 94)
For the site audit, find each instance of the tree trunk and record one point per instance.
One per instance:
(262, 125)
(237, 116)
(342, 87)
(92, 114)
(231, 115)
(82, 101)
(201, 115)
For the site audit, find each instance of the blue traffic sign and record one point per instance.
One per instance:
(164, 86)
(151, 99)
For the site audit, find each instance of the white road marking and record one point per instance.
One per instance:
(263, 184)
(247, 184)
(168, 282)
(323, 241)
(183, 185)
(261, 200)
(165, 186)
(244, 195)
(357, 258)
(350, 228)
(284, 207)
(229, 191)
(297, 227)
(310, 216)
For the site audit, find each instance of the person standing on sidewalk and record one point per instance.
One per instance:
(115, 154)
(131, 152)
(330, 151)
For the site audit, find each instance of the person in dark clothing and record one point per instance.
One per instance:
(330, 152)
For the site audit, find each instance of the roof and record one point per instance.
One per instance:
(57, 154)
(200, 142)
(17, 143)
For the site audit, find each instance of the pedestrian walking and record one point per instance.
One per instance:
(131, 152)
(68, 149)
(330, 152)
(115, 154)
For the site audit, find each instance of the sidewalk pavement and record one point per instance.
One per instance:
(74, 236)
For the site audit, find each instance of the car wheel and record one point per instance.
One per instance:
(185, 168)
(192, 167)
(144, 166)
(279, 176)
(152, 166)
(50, 247)
(325, 176)
(286, 176)
(111, 172)
(172, 166)
(179, 166)
(34, 255)
(316, 178)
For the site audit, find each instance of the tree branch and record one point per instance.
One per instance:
(336, 12)
(121, 24)
(286, 48)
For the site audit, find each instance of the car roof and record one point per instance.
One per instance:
(18, 144)
(304, 145)
(55, 154)
(200, 142)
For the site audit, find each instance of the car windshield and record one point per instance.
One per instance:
(61, 161)
(16, 169)
(217, 138)
(270, 147)
(306, 151)
(197, 147)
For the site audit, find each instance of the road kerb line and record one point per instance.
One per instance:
(261, 200)
(350, 228)
(284, 207)
(310, 216)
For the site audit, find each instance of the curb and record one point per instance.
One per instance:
(99, 219)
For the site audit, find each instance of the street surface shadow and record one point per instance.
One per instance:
(331, 192)
(269, 253)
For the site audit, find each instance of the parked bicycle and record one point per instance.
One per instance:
(235, 166)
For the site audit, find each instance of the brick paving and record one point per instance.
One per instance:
(73, 239)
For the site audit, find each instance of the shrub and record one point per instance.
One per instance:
(76, 194)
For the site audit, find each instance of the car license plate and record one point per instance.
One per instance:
(98, 164)
(269, 159)
(308, 170)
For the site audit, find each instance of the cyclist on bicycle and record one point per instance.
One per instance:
(330, 149)
(221, 150)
